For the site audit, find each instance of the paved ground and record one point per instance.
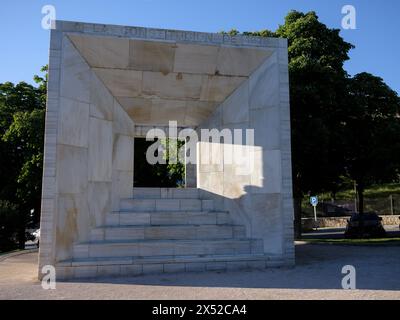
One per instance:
(316, 276)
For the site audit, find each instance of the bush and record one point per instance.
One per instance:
(9, 222)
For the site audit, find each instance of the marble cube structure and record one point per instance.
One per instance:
(109, 84)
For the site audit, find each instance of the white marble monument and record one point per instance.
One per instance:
(109, 84)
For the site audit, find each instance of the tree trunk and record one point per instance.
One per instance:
(333, 197)
(21, 238)
(360, 193)
(297, 217)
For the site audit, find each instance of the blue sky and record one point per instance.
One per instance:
(25, 44)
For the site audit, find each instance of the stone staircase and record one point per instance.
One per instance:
(164, 230)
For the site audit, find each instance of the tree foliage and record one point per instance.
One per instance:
(342, 128)
(22, 111)
(9, 223)
(317, 95)
(168, 175)
(372, 128)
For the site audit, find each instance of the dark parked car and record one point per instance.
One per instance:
(34, 236)
(368, 225)
(333, 210)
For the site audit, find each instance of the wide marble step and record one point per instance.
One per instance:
(132, 218)
(136, 266)
(178, 204)
(143, 248)
(169, 232)
(166, 193)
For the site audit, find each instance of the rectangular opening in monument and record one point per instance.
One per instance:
(154, 164)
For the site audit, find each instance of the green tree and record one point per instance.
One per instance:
(9, 222)
(372, 131)
(263, 33)
(22, 110)
(317, 98)
(342, 128)
(168, 175)
(232, 32)
(25, 135)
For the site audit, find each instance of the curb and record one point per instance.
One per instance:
(16, 253)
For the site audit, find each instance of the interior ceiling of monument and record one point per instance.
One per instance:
(158, 81)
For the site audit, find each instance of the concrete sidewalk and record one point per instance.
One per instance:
(317, 275)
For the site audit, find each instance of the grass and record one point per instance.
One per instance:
(377, 191)
(357, 242)
(376, 199)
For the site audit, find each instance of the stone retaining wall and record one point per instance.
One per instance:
(340, 222)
